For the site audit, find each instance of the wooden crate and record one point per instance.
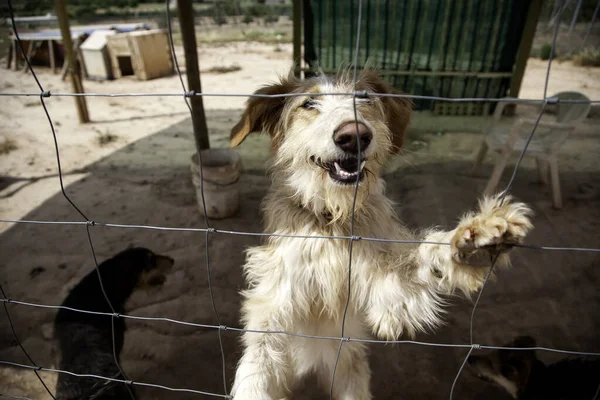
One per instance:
(150, 54)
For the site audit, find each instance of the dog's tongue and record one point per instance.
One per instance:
(349, 165)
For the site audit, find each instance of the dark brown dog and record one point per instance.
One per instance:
(85, 341)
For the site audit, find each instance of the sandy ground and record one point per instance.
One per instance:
(143, 178)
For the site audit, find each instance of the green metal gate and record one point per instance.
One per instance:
(447, 48)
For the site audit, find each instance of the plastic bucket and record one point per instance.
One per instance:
(221, 169)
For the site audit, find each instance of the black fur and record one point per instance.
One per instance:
(569, 379)
(85, 341)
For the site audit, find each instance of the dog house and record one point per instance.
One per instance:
(95, 55)
(145, 54)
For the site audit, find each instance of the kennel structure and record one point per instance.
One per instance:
(442, 48)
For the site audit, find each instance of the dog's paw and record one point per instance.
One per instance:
(497, 227)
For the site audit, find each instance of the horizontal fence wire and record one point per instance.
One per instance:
(360, 93)
(208, 230)
(270, 332)
(283, 235)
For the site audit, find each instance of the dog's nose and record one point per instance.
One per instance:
(346, 136)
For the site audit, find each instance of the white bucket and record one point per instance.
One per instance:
(221, 169)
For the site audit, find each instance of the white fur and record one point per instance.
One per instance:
(300, 285)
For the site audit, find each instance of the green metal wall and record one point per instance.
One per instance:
(449, 48)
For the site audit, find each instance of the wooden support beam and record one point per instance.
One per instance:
(60, 7)
(29, 55)
(188, 37)
(297, 36)
(51, 56)
(533, 15)
(10, 55)
(16, 53)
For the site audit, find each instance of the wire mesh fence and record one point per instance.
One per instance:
(208, 231)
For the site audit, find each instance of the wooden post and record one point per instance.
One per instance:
(51, 56)
(188, 37)
(297, 36)
(16, 53)
(10, 54)
(70, 58)
(533, 16)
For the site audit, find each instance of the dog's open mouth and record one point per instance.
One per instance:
(345, 171)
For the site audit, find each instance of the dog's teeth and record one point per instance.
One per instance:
(338, 169)
(362, 165)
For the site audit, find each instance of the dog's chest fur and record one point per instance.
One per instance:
(312, 273)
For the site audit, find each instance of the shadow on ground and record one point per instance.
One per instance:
(550, 295)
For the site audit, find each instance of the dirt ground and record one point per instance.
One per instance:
(142, 177)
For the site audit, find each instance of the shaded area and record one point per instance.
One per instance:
(552, 296)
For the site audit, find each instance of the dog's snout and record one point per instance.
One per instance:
(347, 136)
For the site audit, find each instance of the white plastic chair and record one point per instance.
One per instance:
(547, 139)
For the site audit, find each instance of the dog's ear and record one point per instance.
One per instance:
(398, 110)
(262, 114)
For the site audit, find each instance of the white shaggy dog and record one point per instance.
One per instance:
(300, 284)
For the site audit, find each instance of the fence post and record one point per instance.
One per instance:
(297, 36)
(533, 15)
(188, 37)
(73, 70)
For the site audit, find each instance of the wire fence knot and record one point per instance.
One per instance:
(552, 100)
(345, 339)
(129, 383)
(361, 94)
(355, 238)
(223, 327)
(91, 223)
(476, 346)
(190, 93)
(46, 94)
(211, 230)
(116, 315)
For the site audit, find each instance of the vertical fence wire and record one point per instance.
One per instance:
(44, 94)
(356, 186)
(506, 191)
(201, 173)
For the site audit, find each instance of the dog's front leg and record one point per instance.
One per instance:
(405, 293)
(264, 370)
(479, 238)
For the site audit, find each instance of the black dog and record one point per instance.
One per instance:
(525, 377)
(85, 341)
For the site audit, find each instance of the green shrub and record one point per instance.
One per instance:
(545, 51)
(82, 12)
(248, 19)
(271, 18)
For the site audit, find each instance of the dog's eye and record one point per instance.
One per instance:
(308, 104)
